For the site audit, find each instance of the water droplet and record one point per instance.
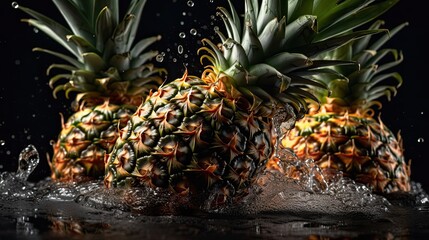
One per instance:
(184, 13)
(182, 35)
(159, 58)
(180, 49)
(211, 1)
(174, 59)
(2, 142)
(421, 140)
(216, 28)
(15, 5)
(421, 113)
(190, 3)
(193, 31)
(185, 56)
(182, 23)
(36, 30)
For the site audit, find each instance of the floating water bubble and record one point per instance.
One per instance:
(2, 142)
(182, 35)
(174, 59)
(36, 30)
(420, 140)
(15, 5)
(180, 49)
(190, 3)
(193, 31)
(159, 58)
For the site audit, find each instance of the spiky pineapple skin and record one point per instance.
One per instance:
(359, 146)
(88, 134)
(190, 136)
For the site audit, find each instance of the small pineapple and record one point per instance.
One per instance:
(343, 134)
(110, 74)
(214, 134)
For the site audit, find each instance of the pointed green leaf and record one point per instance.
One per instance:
(93, 62)
(66, 58)
(77, 22)
(55, 34)
(352, 22)
(143, 44)
(135, 9)
(332, 43)
(104, 28)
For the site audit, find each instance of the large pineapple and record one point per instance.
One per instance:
(214, 134)
(110, 74)
(344, 134)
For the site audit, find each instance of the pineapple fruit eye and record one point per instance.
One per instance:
(127, 158)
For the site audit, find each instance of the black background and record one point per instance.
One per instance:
(30, 115)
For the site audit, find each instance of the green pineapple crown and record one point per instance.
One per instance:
(360, 88)
(104, 62)
(269, 58)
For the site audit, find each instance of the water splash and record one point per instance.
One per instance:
(310, 191)
(27, 162)
(15, 185)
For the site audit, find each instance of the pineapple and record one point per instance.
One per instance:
(109, 74)
(214, 134)
(344, 135)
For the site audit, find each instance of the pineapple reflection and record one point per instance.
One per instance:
(72, 226)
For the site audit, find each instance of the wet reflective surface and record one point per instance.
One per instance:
(51, 219)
